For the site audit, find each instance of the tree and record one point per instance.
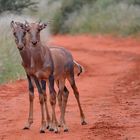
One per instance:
(68, 7)
(16, 5)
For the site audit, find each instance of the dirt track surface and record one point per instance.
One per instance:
(109, 92)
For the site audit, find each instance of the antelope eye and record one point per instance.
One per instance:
(38, 30)
(27, 29)
(14, 33)
(24, 33)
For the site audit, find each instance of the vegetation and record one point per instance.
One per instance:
(98, 16)
(16, 5)
(10, 62)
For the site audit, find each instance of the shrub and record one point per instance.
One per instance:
(15, 5)
(97, 16)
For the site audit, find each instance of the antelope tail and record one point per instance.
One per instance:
(78, 69)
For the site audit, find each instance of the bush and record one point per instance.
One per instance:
(97, 16)
(15, 5)
(10, 61)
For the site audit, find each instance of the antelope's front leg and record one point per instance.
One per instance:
(62, 98)
(41, 99)
(53, 102)
(31, 98)
(48, 125)
(64, 104)
(43, 122)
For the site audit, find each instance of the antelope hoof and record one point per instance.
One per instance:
(83, 123)
(66, 130)
(47, 127)
(42, 131)
(56, 130)
(51, 129)
(26, 128)
(59, 125)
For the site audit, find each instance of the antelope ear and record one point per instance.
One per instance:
(12, 24)
(26, 26)
(23, 27)
(42, 26)
(26, 22)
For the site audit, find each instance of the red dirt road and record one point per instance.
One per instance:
(109, 91)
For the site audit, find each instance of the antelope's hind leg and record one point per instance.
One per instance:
(59, 97)
(31, 98)
(62, 100)
(64, 105)
(76, 93)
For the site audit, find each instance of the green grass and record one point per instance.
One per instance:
(93, 16)
(10, 61)
(10, 68)
(119, 19)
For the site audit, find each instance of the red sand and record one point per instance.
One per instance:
(109, 91)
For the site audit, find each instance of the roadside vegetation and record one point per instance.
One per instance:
(119, 17)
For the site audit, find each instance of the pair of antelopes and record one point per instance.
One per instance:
(43, 64)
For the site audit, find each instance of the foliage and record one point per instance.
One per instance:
(97, 16)
(15, 5)
(10, 60)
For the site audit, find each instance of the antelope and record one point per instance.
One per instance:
(58, 79)
(63, 64)
(21, 41)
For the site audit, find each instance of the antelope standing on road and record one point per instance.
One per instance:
(63, 64)
(59, 76)
(21, 40)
